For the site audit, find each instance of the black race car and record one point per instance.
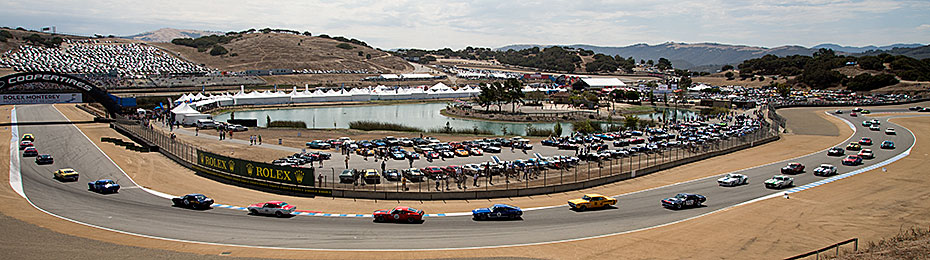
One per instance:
(44, 159)
(682, 200)
(793, 168)
(194, 201)
(836, 151)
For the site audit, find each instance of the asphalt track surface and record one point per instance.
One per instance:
(136, 211)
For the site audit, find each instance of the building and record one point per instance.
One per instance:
(598, 83)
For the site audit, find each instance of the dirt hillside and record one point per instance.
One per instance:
(288, 51)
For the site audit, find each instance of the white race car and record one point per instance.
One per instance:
(779, 182)
(890, 131)
(825, 170)
(733, 179)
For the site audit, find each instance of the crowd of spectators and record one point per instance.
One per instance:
(345, 71)
(132, 60)
(198, 81)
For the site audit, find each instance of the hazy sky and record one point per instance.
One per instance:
(392, 24)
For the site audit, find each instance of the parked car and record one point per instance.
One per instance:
(371, 176)
(103, 186)
(590, 201)
(682, 200)
(432, 171)
(852, 160)
(413, 174)
(348, 176)
(793, 168)
(887, 144)
(392, 175)
(491, 149)
(66, 174)
(318, 144)
(277, 208)
(461, 152)
(194, 201)
(205, 124)
(733, 179)
(44, 159)
(779, 182)
(497, 211)
(399, 214)
(825, 170)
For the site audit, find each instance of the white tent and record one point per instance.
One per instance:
(187, 115)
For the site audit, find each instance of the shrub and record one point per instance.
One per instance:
(372, 125)
(218, 50)
(532, 131)
(287, 124)
(345, 46)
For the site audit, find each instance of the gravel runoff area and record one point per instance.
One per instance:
(817, 218)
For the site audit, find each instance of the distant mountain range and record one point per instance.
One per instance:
(168, 34)
(710, 56)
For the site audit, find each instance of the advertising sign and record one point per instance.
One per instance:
(51, 98)
(264, 171)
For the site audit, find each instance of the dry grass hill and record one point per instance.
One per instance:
(289, 51)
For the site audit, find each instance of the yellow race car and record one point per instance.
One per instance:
(853, 147)
(28, 137)
(66, 174)
(461, 152)
(589, 201)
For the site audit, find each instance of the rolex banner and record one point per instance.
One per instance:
(264, 171)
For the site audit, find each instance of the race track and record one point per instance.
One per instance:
(134, 210)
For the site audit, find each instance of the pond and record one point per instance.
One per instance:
(420, 115)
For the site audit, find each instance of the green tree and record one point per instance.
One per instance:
(726, 67)
(664, 64)
(218, 50)
(729, 75)
(784, 90)
(630, 122)
(513, 93)
(684, 83)
(557, 129)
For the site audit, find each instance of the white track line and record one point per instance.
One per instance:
(16, 179)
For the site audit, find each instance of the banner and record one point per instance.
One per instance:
(263, 171)
(21, 99)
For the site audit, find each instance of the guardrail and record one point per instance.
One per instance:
(834, 247)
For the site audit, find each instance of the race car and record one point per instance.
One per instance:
(44, 159)
(682, 200)
(866, 123)
(491, 149)
(853, 147)
(461, 152)
(853, 114)
(836, 151)
(779, 182)
(838, 111)
(399, 214)
(590, 201)
(497, 211)
(865, 111)
(446, 154)
(348, 176)
(274, 207)
(28, 137)
(733, 179)
(475, 151)
(852, 160)
(887, 144)
(890, 131)
(865, 141)
(875, 122)
(24, 144)
(825, 170)
(866, 154)
(194, 201)
(432, 171)
(103, 186)
(66, 174)
(874, 128)
(793, 168)
(398, 155)
(30, 151)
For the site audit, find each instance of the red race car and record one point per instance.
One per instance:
(399, 214)
(432, 171)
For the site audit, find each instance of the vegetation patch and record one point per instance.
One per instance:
(373, 125)
(287, 124)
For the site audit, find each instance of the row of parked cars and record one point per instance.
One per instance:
(300, 159)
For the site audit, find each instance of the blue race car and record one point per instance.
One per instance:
(194, 201)
(103, 186)
(497, 211)
(887, 144)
